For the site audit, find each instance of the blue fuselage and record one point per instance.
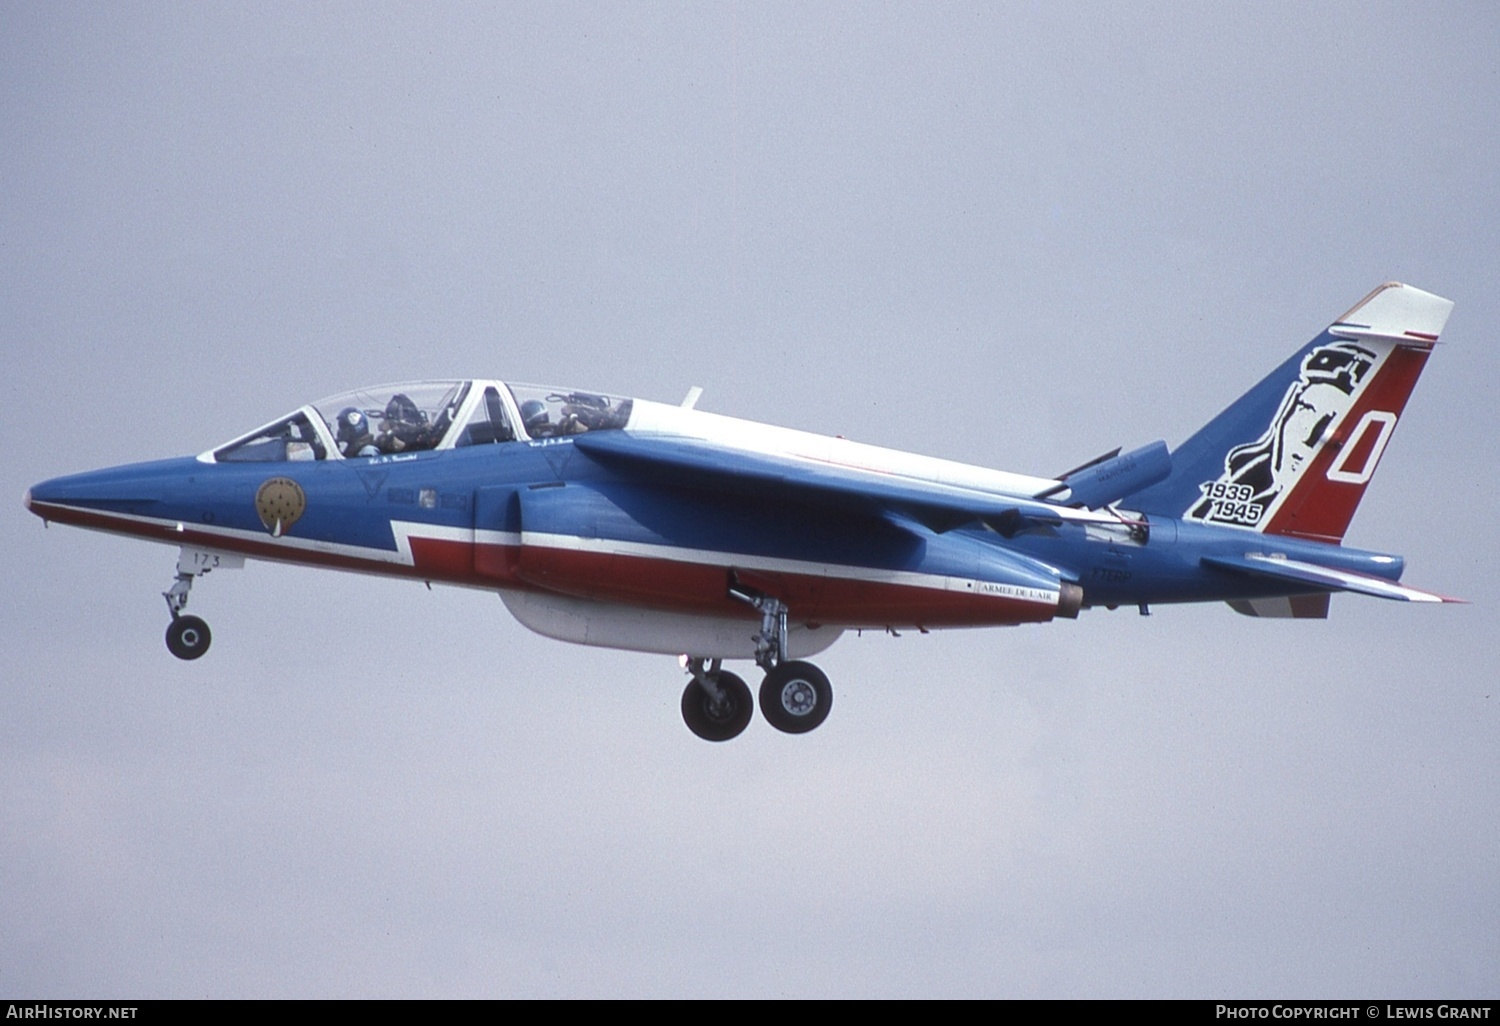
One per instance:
(545, 516)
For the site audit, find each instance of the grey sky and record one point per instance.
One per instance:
(1016, 235)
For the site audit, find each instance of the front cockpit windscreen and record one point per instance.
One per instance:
(553, 412)
(392, 419)
(290, 439)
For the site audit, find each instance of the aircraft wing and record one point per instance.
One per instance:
(940, 507)
(1298, 572)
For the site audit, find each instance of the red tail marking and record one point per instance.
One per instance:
(1321, 508)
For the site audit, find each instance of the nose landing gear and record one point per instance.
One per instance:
(188, 637)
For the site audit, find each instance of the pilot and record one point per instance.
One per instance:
(404, 427)
(354, 435)
(583, 412)
(534, 416)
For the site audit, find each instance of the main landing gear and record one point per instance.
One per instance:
(795, 696)
(716, 704)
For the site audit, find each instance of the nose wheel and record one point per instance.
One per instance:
(188, 637)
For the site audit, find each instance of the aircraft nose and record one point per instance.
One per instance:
(133, 490)
(39, 496)
(36, 498)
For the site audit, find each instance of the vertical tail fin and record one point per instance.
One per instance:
(1293, 455)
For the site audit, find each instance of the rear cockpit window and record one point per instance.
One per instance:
(552, 412)
(392, 418)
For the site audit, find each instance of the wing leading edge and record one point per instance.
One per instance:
(940, 507)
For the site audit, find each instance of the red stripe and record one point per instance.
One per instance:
(444, 567)
(655, 582)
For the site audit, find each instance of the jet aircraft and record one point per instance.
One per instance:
(662, 528)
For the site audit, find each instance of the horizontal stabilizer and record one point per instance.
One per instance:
(1284, 607)
(1310, 574)
(1106, 481)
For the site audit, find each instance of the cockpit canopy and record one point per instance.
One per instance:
(390, 420)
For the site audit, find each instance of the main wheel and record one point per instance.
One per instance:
(721, 720)
(796, 697)
(188, 637)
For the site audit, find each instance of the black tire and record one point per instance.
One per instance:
(188, 637)
(726, 720)
(796, 697)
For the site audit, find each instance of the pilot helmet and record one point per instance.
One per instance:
(351, 424)
(401, 410)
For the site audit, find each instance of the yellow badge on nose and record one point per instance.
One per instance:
(280, 502)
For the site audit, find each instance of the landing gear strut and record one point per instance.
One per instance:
(188, 637)
(716, 704)
(795, 696)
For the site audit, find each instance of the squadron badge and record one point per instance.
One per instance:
(280, 503)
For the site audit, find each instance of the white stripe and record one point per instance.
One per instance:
(771, 564)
